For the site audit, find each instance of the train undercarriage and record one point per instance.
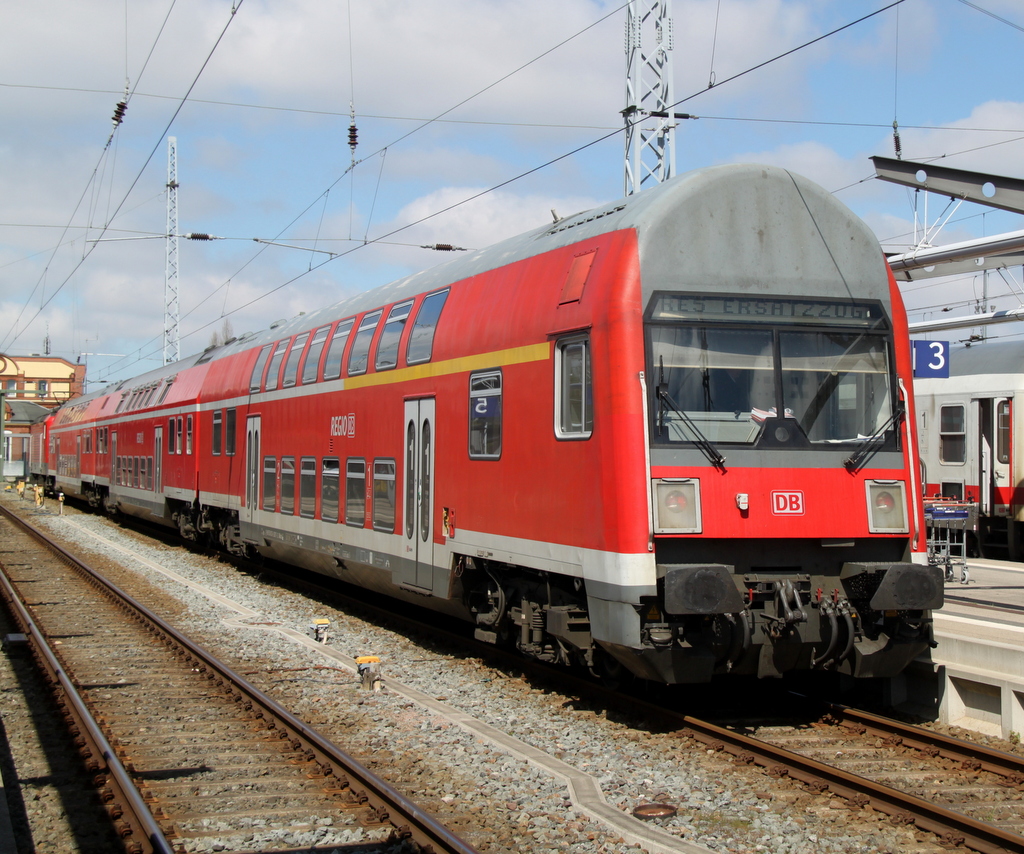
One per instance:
(866, 620)
(859, 618)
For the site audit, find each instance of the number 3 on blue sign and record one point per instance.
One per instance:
(931, 359)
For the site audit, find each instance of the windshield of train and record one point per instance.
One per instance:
(721, 367)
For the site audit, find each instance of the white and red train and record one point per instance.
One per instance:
(672, 435)
(969, 437)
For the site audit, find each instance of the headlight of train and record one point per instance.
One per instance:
(677, 506)
(887, 507)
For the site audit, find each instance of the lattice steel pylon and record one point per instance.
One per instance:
(650, 143)
(171, 348)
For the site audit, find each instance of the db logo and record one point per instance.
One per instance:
(788, 503)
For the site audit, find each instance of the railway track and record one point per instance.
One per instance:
(966, 795)
(183, 752)
(918, 778)
(806, 753)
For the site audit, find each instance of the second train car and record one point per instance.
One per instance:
(671, 436)
(969, 442)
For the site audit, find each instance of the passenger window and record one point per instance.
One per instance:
(355, 493)
(952, 490)
(384, 496)
(179, 446)
(312, 361)
(307, 487)
(485, 415)
(275, 364)
(171, 433)
(1003, 434)
(391, 336)
(952, 434)
(256, 380)
(329, 485)
(332, 367)
(574, 418)
(291, 368)
(218, 417)
(269, 482)
(359, 358)
(421, 339)
(188, 435)
(288, 485)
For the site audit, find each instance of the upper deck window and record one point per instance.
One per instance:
(275, 364)
(256, 380)
(291, 368)
(421, 339)
(332, 366)
(358, 360)
(311, 363)
(391, 336)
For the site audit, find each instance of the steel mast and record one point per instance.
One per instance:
(171, 349)
(650, 151)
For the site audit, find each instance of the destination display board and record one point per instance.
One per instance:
(717, 308)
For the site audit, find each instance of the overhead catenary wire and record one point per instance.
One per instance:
(383, 151)
(499, 185)
(576, 150)
(234, 9)
(714, 44)
(897, 146)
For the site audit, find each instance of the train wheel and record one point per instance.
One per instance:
(608, 670)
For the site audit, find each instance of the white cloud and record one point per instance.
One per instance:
(262, 172)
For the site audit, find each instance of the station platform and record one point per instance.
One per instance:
(974, 678)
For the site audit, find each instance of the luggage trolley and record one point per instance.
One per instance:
(947, 523)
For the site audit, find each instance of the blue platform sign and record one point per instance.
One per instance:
(931, 359)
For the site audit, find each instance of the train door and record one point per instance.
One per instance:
(158, 460)
(252, 465)
(995, 481)
(418, 516)
(994, 464)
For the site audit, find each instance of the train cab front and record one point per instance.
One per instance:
(785, 515)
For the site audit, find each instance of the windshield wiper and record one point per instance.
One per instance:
(855, 462)
(700, 440)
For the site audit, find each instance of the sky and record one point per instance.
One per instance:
(475, 119)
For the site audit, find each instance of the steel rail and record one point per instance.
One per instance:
(132, 818)
(976, 757)
(386, 803)
(953, 827)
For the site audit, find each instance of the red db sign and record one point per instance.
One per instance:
(788, 503)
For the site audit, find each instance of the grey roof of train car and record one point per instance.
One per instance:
(987, 357)
(697, 231)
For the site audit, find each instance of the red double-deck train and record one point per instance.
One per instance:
(671, 435)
